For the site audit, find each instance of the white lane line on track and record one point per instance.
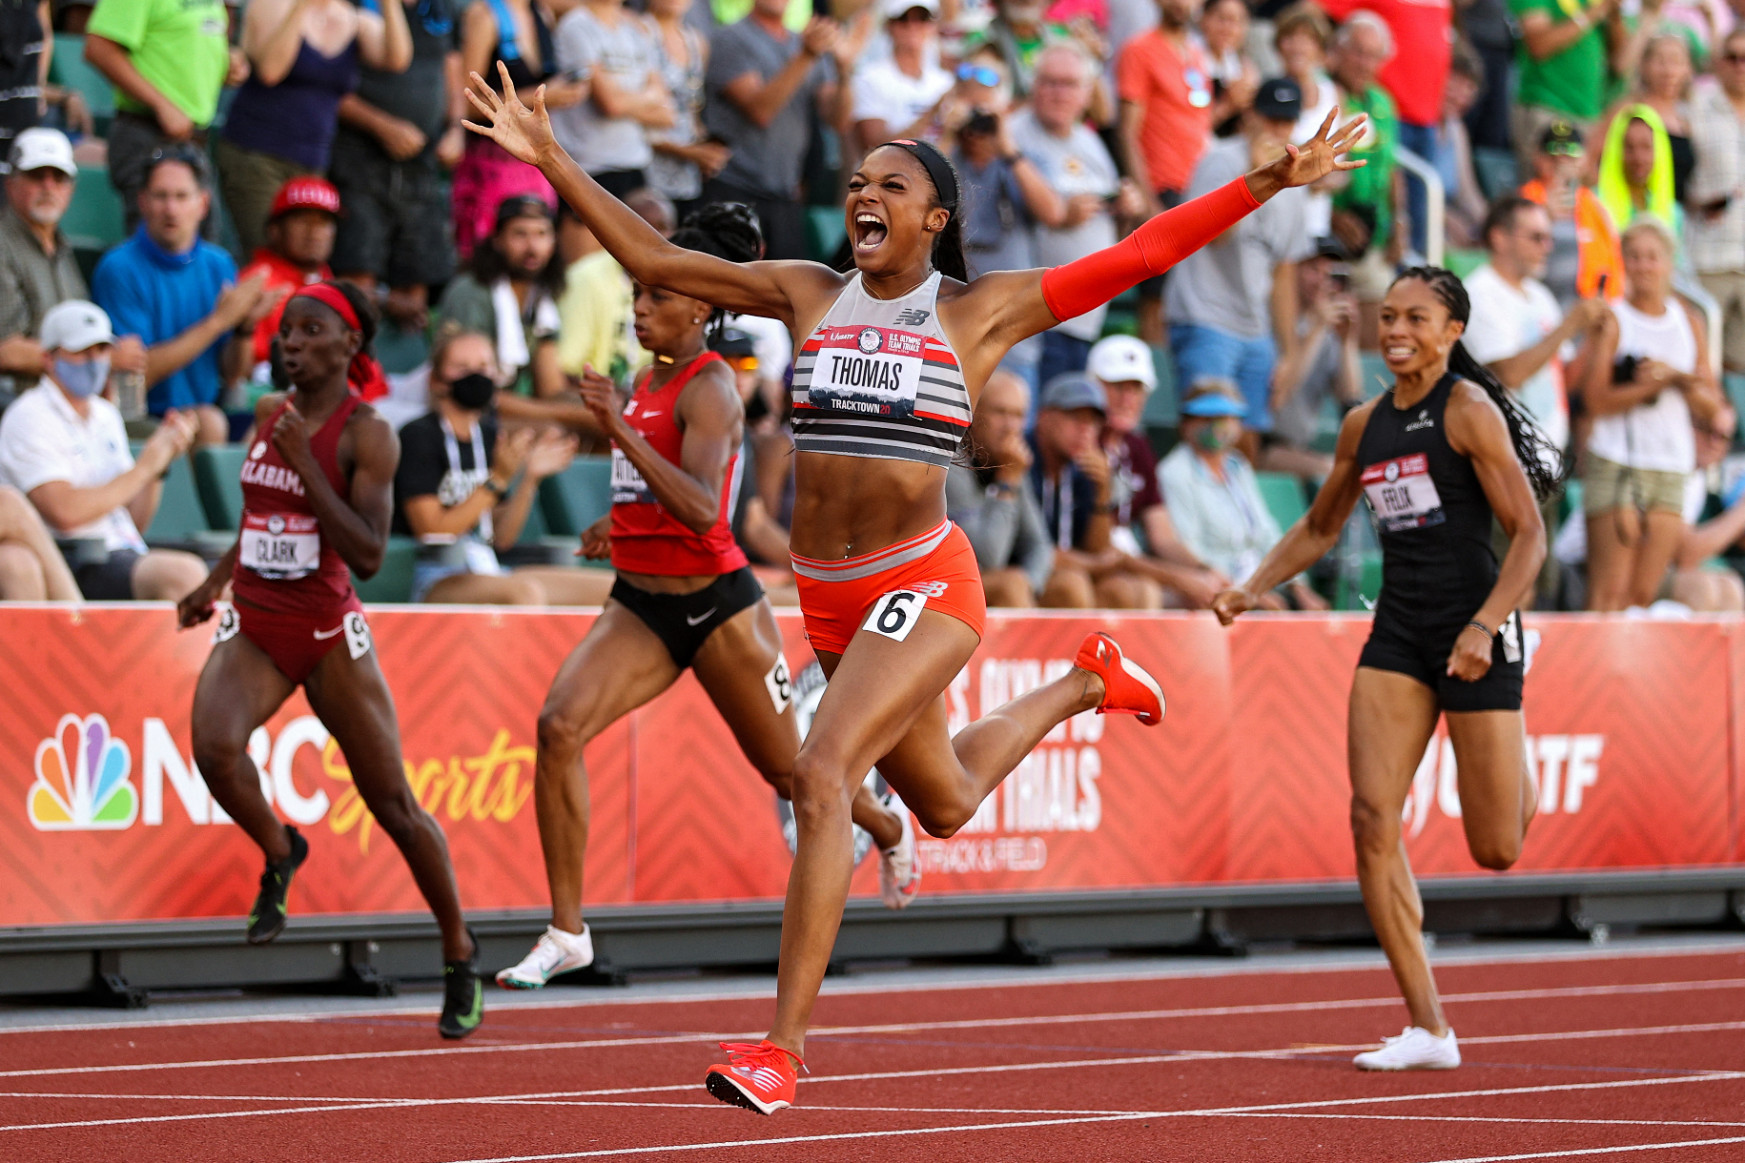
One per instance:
(1577, 1153)
(915, 1027)
(854, 989)
(1525, 1120)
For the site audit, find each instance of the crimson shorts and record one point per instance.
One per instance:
(297, 643)
(936, 571)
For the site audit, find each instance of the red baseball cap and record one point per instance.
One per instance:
(305, 193)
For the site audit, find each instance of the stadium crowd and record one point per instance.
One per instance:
(175, 168)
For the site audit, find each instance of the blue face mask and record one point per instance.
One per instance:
(83, 380)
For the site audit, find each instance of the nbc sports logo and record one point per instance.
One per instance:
(82, 779)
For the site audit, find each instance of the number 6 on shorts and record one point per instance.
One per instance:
(895, 614)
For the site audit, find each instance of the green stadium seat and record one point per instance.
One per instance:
(1734, 384)
(93, 220)
(70, 69)
(578, 496)
(392, 582)
(218, 473)
(1284, 497)
(1368, 585)
(1162, 407)
(1373, 374)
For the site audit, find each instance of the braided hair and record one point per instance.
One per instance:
(727, 230)
(1544, 463)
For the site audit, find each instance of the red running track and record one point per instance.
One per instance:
(1627, 1057)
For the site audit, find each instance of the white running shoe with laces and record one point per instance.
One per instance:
(900, 865)
(555, 952)
(1414, 1048)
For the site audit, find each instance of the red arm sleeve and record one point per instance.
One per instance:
(1156, 246)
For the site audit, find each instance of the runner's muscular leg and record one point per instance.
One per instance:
(351, 698)
(735, 666)
(1497, 799)
(618, 666)
(884, 705)
(1391, 719)
(239, 689)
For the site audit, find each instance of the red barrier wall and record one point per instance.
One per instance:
(1633, 730)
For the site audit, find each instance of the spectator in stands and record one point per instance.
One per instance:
(1562, 60)
(396, 135)
(179, 294)
(1585, 259)
(1636, 172)
(1716, 224)
(65, 447)
(517, 33)
(1224, 37)
(627, 97)
(595, 328)
(683, 157)
(992, 500)
(1165, 123)
(1002, 190)
(1663, 83)
(1366, 210)
(1232, 304)
(300, 229)
(1452, 151)
(37, 266)
(1213, 495)
(764, 85)
(1074, 483)
(1649, 380)
(1487, 25)
(31, 567)
(1084, 189)
(465, 490)
(903, 96)
(1323, 364)
(1714, 525)
(167, 62)
(1017, 33)
(510, 293)
(1302, 35)
(24, 33)
(1142, 531)
(304, 57)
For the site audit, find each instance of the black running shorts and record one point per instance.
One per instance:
(1422, 653)
(683, 622)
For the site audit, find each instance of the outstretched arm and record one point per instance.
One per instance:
(770, 289)
(1007, 307)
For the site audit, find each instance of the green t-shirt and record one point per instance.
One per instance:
(181, 46)
(1371, 189)
(1572, 82)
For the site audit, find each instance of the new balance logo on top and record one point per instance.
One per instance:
(911, 317)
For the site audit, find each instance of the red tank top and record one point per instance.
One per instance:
(645, 537)
(284, 564)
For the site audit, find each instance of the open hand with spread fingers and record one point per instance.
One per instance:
(1320, 155)
(524, 132)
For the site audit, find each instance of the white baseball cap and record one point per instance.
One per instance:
(893, 9)
(1119, 358)
(75, 325)
(40, 148)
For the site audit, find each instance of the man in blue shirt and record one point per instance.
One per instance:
(179, 294)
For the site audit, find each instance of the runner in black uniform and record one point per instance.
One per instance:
(1438, 456)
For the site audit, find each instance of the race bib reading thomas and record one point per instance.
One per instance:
(867, 369)
(1402, 494)
(281, 547)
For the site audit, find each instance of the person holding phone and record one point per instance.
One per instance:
(1585, 259)
(1323, 362)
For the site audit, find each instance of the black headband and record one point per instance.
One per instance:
(944, 179)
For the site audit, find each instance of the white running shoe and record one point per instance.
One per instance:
(1415, 1048)
(900, 865)
(555, 952)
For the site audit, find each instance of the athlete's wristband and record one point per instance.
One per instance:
(502, 491)
(1475, 624)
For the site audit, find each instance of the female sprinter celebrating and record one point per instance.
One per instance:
(890, 360)
(685, 597)
(1437, 455)
(317, 493)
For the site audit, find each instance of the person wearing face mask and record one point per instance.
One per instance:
(465, 489)
(1213, 496)
(65, 447)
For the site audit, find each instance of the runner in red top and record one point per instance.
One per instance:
(317, 498)
(684, 598)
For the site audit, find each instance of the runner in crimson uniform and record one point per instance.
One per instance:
(685, 598)
(891, 359)
(1439, 456)
(317, 493)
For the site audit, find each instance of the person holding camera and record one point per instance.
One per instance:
(1323, 362)
(1648, 381)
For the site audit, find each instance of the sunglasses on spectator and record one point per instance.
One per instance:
(980, 74)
